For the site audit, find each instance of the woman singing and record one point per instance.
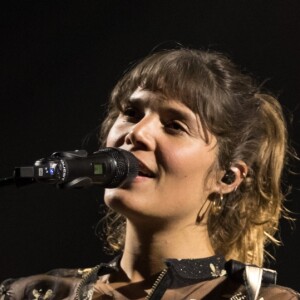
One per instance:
(194, 223)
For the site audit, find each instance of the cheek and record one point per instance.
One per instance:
(115, 136)
(111, 138)
(188, 161)
(190, 165)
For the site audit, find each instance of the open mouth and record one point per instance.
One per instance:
(144, 171)
(145, 174)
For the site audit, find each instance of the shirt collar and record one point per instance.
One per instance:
(189, 269)
(198, 269)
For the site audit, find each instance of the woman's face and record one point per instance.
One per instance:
(167, 138)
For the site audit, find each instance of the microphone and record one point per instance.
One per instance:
(108, 167)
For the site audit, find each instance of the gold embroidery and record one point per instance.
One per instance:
(84, 272)
(38, 294)
(215, 272)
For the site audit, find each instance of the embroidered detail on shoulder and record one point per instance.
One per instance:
(215, 271)
(2, 289)
(84, 272)
(40, 295)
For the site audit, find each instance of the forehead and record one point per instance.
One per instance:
(143, 96)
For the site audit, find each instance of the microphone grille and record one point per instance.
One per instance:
(127, 166)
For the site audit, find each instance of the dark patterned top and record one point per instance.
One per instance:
(189, 279)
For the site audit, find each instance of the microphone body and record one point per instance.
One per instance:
(108, 167)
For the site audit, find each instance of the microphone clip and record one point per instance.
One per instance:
(53, 170)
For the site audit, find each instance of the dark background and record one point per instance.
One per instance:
(59, 61)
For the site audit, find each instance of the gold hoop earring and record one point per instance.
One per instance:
(218, 204)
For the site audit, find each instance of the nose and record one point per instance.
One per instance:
(142, 134)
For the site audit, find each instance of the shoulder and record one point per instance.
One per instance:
(258, 283)
(226, 287)
(56, 284)
(278, 292)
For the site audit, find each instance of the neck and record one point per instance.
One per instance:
(147, 248)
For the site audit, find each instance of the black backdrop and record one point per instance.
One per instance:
(60, 59)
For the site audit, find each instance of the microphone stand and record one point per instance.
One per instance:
(7, 181)
(21, 176)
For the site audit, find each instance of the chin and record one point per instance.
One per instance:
(119, 200)
(131, 207)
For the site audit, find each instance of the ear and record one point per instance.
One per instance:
(233, 177)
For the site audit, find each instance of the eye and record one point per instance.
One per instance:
(129, 112)
(175, 127)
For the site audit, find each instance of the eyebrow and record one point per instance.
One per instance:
(180, 114)
(175, 112)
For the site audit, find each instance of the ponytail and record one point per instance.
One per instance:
(251, 215)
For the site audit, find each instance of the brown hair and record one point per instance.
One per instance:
(249, 126)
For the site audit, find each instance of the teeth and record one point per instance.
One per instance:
(145, 174)
(144, 171)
